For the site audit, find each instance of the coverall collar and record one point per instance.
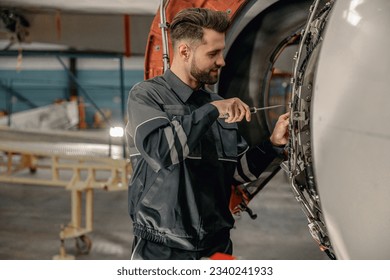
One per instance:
(182, 90)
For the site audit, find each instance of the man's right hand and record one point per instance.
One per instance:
(232, 110)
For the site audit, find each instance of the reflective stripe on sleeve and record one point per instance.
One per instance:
(245, 168)
(182, 137)
(237, 177)
(171, 145)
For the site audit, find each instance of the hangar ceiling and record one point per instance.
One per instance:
(118, 26)
(132, 7)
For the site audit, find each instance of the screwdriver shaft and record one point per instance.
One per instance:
(255, 109)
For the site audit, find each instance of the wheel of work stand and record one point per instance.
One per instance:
(83, 245)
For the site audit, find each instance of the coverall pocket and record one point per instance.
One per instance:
(228, 137)
(176, 110)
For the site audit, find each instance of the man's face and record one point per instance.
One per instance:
(208, 58)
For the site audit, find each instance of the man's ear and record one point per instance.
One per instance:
(184, 51)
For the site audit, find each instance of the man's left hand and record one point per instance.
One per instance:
(279, 136)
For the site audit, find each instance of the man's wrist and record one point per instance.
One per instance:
(278, 149)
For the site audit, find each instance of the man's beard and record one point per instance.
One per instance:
(203, 77)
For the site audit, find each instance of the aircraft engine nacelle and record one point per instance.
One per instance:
(338, 103)
(351, 131)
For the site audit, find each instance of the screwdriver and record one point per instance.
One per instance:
(254, 110)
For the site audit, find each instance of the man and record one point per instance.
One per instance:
(185, 157)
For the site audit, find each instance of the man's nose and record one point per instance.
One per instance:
(220, 61)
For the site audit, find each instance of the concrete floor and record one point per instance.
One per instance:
(31, 217)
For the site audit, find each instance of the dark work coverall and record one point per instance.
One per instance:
(185, 160)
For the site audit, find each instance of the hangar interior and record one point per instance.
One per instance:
(66, 68)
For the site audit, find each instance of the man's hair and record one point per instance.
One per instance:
(189, 23)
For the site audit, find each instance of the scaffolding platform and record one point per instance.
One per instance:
(79, 162)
